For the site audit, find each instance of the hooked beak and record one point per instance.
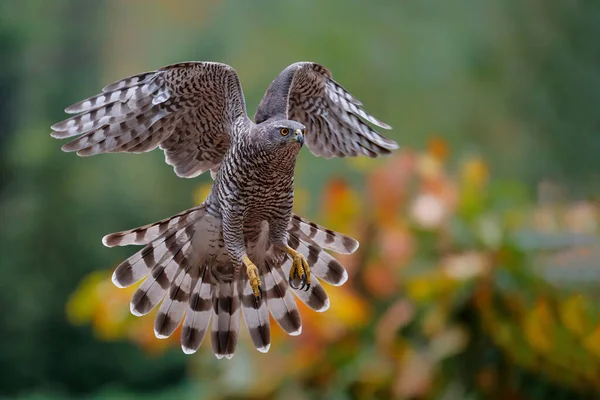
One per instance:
(299, 137)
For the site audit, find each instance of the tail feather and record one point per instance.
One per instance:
(256, 316)
(320, 262)
(198, 314)
(315, 297)
(324, 237)
(226, 319)
(153, 289)
(154, 254)
(187, 263)
(147, 233)
(173, 308)
(281, 302)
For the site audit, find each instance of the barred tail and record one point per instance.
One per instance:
(179, 264)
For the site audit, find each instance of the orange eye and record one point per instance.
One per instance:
(284, 131)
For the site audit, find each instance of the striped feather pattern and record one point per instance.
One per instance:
(280, 300)
(186, 109)
(321, 264)
(184, 260)
(324, 237)
(256, 316)
(147, 233)
(315, 297)
(226, 319)
(153, 289)
(198, 314)
(334, 118)
(173, 307)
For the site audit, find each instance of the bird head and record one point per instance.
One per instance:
(285, 133)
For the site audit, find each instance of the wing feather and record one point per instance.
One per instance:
(187, 109)
(336, 123)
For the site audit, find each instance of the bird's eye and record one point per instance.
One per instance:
(284, 131)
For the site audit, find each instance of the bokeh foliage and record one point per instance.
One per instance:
(477, 272)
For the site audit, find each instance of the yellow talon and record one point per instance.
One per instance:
(300, 269)
(252, 272)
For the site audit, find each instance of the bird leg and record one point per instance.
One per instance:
(300, 269)
(252, 272)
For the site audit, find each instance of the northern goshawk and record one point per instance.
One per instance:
(233, 252)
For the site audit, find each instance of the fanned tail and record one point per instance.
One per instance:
(183, 261)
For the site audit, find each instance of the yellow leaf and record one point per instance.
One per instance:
(592, 342)
(81, 304)
(474, 172)
(420, 288)
(540, 326)
(348, 308)
(574, 316)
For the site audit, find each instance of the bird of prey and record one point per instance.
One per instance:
(242, 250)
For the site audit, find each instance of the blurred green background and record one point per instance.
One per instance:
(478, 273)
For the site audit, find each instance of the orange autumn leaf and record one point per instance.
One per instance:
(438, 148)
(380, 281)
(389, 185)
(341, 205)
(397, 245)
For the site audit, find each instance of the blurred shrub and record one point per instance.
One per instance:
(461, 287)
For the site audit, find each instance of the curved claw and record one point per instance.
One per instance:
(303, 280)
(258, 298)
(300, 270)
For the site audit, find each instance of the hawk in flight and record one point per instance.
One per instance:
(242, 250)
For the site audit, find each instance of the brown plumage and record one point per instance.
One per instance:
(242, 251)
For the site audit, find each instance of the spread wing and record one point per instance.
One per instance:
(187, 109)
(334, 119)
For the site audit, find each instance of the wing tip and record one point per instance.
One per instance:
(56, 134)
(58, 127)
(383, 125)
